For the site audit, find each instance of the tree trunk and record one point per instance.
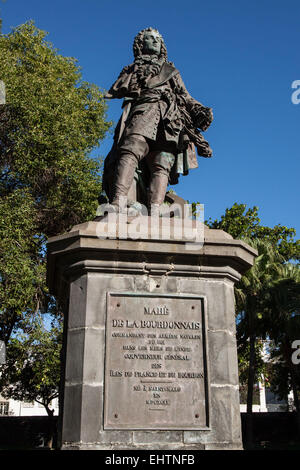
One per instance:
(51, 427)
(8, 329)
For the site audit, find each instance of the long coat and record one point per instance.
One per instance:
(164, 99)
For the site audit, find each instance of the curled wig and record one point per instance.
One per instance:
(138, 44)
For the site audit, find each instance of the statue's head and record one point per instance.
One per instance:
(149, 41)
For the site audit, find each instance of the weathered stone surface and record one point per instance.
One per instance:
(225, 420)
(91, 412)
(71, 429)
(75, 356)
(94, 353)
(78, 301)
(116, 437)
(90, 271)
(154, 437)
(222, 357)
(171, 284)
(195, 437)
(96, 297)
(81, 250)
(224, 446)
(87, 349)
(221, 300)
(142, 283)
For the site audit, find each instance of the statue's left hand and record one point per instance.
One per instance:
(207, 119)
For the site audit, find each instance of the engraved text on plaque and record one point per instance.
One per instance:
(156, 367)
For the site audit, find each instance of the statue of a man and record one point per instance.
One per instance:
(158, 131)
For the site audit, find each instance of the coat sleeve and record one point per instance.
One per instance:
(122, 87)
(201, 116)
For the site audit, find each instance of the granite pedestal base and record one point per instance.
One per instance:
(150, 348)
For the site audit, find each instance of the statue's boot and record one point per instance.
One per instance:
(157, 191)
(124, 178)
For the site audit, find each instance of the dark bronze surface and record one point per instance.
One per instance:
(159, 129)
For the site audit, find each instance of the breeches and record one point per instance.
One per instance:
(159, 155)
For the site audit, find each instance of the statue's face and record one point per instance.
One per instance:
(152, 43)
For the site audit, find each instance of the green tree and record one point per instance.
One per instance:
(241, 223)
(32, 372)
(283, 329)
(275, 247)
(32, 369)
(250, 293)
(22, 272)
(48, 181)
(243, 363)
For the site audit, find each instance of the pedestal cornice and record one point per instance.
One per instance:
(83, 249)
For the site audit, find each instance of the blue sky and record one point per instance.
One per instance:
(238, 56)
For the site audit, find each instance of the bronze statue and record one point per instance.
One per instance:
(156, 136)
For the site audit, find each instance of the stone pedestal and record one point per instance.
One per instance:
(150, 348)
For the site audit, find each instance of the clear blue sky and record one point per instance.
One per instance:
(238, 56)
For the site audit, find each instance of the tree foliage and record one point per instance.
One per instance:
(48, 181)
(241, 223)
(22, 272)
(284, 306)
(53, 120)
(267, 300)
(32, 368)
